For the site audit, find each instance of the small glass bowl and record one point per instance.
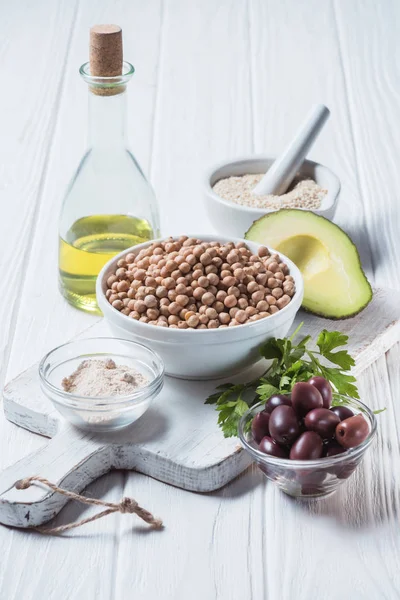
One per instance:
(101, 413)
(309, 478)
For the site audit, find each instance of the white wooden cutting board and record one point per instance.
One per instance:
(176, 441)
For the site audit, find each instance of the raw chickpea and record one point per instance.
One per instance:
(208, 298)
(174, 308)
(239, 274)
(252, 287)
(182, 325)
(112, 298)
(164, 302)
(272, 283)
(273, 266)
(184, 267)
(122, 295)
(191, 259)
(150, 301)
(211, 313)
(233, 311)
(198, 293)
(221, 295)
(232, 257)
(203, 281)
(283, 301)
(169, 283)
(205, 259)
(201, 326)
(270, 299)
(242, 303)
(140, 274)
(172, 295)
(140, 306)
(213, 324)
(230, 301)
(241, 316)
(114, 286)
(192, 307)
(112, 279)
(125, 311)
(118, 304)
(279, 276)
(131, 304)
(224, 318)
(257, 297)
(197, 274)
(262, 278)
(284, 268)
(262, 306)
(120, 273)
(251, 311)
(277, 293)
(203, 319)
(193, 320)
(219, 306)
(152, 313)
(213, 278)
(263, 251)
(144, 319)
(233, 323)
(229, 281)
(225, 273)
(273, 309)
(162, 324)
(173, 320)
(217, 261)
(181, 288)
(108, 294)
(212, 289)
(161, 291)
(130, 258)
(182, 299)
(134, 315)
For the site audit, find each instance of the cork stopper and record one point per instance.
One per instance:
(106, 56)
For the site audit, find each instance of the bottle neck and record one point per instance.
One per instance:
(107, 120)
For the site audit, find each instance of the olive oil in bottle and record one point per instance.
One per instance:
(109, 206)
(89, 244)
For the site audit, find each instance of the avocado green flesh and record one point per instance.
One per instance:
(335, 285)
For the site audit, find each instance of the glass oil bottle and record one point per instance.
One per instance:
(109, 206)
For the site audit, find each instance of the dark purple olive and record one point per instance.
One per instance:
(322, 421)
(352, 432)
(269, 446)
(324, 388)
(259, 426)
(333, 448)
(308, 446)
(283, 424)
(276, 400)
(343, 470)
(311, 482)
(342, 412)
(305, 397)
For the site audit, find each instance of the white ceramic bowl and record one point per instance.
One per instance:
(204, 353)
(234, 219)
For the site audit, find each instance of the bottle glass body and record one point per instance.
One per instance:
(109, 205)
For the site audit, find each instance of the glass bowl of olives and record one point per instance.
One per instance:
(308, 442)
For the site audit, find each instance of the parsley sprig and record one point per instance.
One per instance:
(290, 363)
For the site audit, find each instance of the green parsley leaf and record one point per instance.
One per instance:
(289, 363)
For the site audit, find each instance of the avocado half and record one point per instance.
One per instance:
(335, 285)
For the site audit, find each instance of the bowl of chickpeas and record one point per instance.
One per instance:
(204, 303)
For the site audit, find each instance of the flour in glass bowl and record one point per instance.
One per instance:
(303, 193)
(103, 378)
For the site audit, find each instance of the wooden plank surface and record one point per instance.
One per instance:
(212, 80)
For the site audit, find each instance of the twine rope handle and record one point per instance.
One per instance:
(126, 506)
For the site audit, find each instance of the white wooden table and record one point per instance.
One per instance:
(214, 79)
